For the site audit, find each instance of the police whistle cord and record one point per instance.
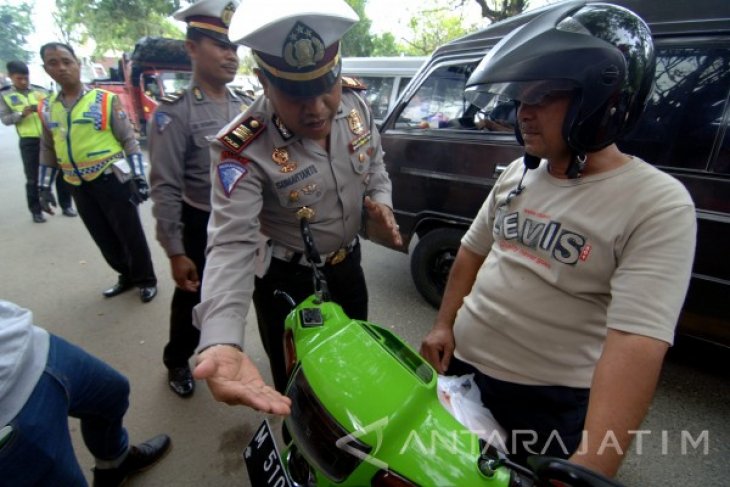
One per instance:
(321, 290)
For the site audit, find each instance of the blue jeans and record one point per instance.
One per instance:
(76, 384)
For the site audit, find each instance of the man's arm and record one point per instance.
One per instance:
(438, 346)
(10, 117)
(167, 141)
(622, 390)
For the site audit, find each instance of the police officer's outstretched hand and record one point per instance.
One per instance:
(185, 273)
(140, 190)
(46, 199)
(234, 379)
(380, 225)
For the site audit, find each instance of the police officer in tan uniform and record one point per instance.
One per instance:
(179, 144)
(307, 147)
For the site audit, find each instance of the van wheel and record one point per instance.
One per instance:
(432, 260)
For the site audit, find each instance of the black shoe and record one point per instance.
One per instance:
(117, 289)
(147, 294)
(39, 218)
(139, 458)
(70, 212)
(181, 381)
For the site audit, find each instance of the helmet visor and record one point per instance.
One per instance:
(524, 92)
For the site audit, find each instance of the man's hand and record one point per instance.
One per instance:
(185, 273)
(46, 199)
(438, 347)
(380, 225)
(233, 379)
(140, 190)
(29, 110)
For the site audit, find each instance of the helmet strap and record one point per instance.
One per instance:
(576, 166)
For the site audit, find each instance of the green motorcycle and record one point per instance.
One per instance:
(365, 412)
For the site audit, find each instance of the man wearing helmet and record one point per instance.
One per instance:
(566, 290)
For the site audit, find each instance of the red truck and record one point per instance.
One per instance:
(157, 67)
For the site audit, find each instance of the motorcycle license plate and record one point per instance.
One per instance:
(263, 461)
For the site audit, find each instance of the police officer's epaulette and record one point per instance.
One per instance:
(247, 96)
(242, 133)
(5, 88)
(38, 87)
(353, 84)
(173, 97)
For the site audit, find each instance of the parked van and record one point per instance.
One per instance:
(444, 154)
(385, 78)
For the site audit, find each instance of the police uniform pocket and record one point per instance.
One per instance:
(202, 140)
(360, 161)
(301, 188)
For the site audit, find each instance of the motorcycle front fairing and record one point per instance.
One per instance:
(365, 404)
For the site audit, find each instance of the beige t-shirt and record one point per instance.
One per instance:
(568, 259)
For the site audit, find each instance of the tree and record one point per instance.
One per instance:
(115, 24)
(385, 45)
(501, 9)
(435, 25)
(357, 41)
(15, 26)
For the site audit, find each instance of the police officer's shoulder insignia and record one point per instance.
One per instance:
(242, 134)
(173, 97)
(162, 120)
(198, 94)
(6, 88)
(285, 133)
(231, 170)
(247, 97)
(353, 84)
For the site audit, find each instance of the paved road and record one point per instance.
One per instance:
(56, 270)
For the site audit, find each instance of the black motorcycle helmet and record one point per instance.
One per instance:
(601, 52)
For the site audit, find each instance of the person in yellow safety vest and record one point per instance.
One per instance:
(18, 106)
(89, 138)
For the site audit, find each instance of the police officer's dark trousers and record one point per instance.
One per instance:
(346, 282)
(114, 224)
(30, 148)
(184, 336)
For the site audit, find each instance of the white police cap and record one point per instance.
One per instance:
(265, 27)
(210, 17)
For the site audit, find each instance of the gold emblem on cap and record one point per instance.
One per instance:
(227, 14)
(355, 122)
(294, 196)
(303, 47)
(306, 213)
(280, 156)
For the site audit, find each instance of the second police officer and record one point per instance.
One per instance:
(179, 142)
(307, 147)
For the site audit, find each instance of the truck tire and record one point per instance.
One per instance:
(432, 260)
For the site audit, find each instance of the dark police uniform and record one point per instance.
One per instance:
(12, 104)
(102, 199)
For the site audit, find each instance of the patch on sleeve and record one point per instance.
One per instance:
(242, 134)
(162, 120)
(231, 170)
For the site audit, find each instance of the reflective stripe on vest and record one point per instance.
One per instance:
(29, 126)
(83, 137)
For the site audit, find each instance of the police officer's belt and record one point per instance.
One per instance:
(286, 254)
